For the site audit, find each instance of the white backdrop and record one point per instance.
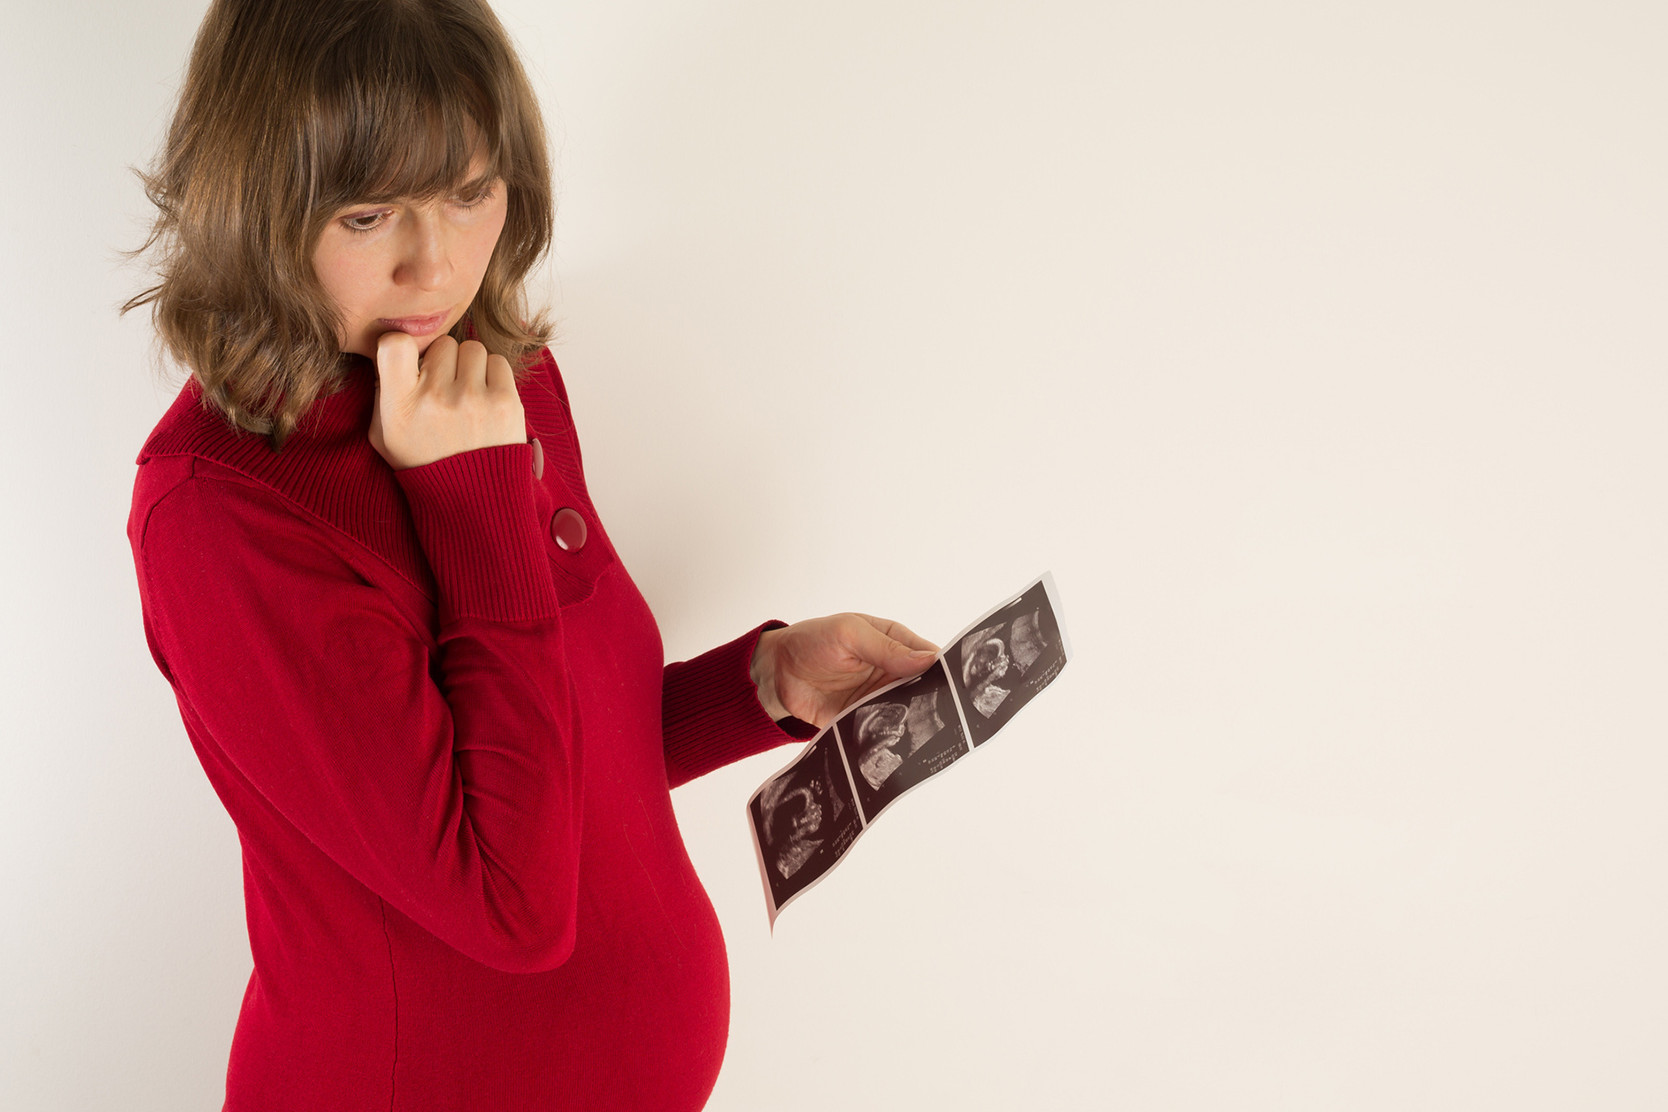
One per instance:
(1319, 350)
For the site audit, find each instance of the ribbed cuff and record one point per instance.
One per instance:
(712, 713)
(478, 523)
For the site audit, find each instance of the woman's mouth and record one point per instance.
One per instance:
(413, 326)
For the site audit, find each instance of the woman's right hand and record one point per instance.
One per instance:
(457, 399)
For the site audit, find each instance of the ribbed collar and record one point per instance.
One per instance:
(329, 469)
(327, 466)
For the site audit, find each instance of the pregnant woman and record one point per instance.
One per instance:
(404, 648)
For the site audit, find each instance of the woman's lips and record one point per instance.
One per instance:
(413, 326)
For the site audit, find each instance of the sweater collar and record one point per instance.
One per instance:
(327, 466)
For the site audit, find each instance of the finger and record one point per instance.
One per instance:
(440, 361)
(499, 375)
(472, 365)
(396, 363)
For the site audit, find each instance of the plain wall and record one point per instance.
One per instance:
(1317, 348)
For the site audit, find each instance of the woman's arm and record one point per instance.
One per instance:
(446, 780)
(711, 714)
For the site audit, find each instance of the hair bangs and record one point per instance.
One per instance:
(401, 115)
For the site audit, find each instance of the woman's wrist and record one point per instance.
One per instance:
(763, 673)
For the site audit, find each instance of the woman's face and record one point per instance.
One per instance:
(407, 266)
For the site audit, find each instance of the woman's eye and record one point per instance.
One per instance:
(362, 222)
(481, 197)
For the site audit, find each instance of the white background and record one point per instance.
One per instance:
(1317, 348)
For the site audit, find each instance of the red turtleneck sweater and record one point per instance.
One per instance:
(447, 742)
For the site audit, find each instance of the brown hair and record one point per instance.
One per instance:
(292, 109)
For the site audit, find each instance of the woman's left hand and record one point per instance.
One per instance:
(814, 669)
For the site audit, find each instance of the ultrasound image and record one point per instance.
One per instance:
(804, 819)
(901, 738)
(1002, 665)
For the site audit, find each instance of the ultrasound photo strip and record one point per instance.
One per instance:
(809, 814)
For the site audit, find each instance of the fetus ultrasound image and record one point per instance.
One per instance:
(1001, 666)
(901, 738)
(805, 818)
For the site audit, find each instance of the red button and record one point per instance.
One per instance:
(568, 530)
(538, 459)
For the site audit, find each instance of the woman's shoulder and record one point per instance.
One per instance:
(179, 452)
(180, 424)
(327, 482)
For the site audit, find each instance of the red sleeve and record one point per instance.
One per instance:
(442, 774)
(712, 714)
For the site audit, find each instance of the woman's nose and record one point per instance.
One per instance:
(426, 262)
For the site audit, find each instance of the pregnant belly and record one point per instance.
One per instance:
(636, 1018)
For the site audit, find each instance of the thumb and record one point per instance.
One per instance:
(396, 363)
(906, 661)
(890, 646)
